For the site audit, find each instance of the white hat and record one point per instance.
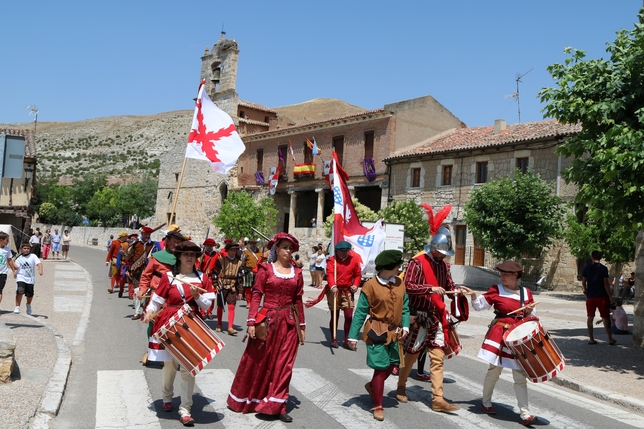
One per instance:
(245, 238)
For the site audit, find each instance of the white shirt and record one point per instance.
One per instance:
(27, 268)
(5, 255)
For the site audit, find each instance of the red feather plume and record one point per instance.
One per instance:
(435, 221)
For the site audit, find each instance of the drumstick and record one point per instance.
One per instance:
(523, 308)
(188, 283)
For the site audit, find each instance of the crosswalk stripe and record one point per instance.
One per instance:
(215, 385)
(70, 286)
(123, 400)
(420, 397)
(606, 410)
(68, 267)
(556, 421)
(58, 274)
(337, 404)
(69, 303)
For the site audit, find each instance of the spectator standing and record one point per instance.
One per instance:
(312, 257)
(55, 243)
(25, 276)
(314, 223)
(6, 260)
(594, 281)
(34, 241)
(67, 239)
(109, 242)
(46, 243)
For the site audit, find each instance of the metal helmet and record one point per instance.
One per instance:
(441, 243)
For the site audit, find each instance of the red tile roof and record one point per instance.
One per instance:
(30, 145)
(482, 137)
(308, 124)
(250, 105)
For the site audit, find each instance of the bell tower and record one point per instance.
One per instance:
(219, 69)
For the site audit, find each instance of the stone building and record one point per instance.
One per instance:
(16, 200)
(362, 138)
(445, 169)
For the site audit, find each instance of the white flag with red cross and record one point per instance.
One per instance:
(213, 136)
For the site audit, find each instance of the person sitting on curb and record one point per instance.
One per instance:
(618, 318)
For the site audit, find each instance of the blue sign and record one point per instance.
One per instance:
(85, 221)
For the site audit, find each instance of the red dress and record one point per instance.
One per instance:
(262, 380)
(493, 349)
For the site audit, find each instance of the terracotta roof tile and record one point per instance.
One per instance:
(339, 118)
(30, 145)
(243, 103)
(252, 122)
(482, 137)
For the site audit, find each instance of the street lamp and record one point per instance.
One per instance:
(28, 175)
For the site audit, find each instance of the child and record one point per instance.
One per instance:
(25, 276)
(6, 260)
(619, 320)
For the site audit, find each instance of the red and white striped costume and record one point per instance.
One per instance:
(504, 301)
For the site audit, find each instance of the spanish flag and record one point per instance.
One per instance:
(300, 170)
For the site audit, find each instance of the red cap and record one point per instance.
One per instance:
(147, 229)
(209, 242)
(228, 240)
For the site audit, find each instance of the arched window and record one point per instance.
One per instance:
(223, 191)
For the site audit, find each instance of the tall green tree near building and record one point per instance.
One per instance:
(606, 97)
(240, 212)
(514, 216)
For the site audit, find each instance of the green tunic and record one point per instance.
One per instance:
(386, 303)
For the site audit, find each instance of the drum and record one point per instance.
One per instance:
(453, 346)
(189, 340)
(534, 350)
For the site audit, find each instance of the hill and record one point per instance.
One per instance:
(126, 147)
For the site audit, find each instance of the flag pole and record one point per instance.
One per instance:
(176, 194)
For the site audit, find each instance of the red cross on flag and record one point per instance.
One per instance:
(213, 136)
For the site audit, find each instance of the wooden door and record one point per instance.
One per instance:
(479, 255)
(459, 251)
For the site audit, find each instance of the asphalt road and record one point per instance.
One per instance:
(108, 387)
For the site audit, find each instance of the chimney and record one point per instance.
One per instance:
(499, 126)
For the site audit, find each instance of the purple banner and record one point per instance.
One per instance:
(369, 169)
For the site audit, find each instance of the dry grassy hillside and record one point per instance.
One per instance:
(130, 146)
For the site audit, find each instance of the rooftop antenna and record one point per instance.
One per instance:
(223, 33)
(33, 110)
(516, 94)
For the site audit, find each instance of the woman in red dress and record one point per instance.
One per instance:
(261, 384)
(504, 298)
(174, 294)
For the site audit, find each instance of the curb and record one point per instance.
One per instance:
(53, 395)
(605, 395)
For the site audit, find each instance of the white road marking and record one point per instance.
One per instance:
(420, 397)
(337, 404)
(599, 407)
(556, 420)
(123, 400)
(67, 274)
(70, 286)
(68, 267)
(215, 385)
(69, 303)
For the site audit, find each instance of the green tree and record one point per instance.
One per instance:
(84, 188)
(48, 213)
(598, 232)
(240, 211)
(605, 97)
(137, 198)
(515, 216)
(365, 214)
(411, 215)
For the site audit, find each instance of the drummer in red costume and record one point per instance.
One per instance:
(504, 298)
(170, 295)
(427, 278)
(160, 263)
(261, 383)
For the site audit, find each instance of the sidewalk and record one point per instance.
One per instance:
(45, 342)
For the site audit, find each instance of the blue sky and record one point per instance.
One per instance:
(84, 59)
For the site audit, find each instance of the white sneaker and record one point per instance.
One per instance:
(29, 309)
(16, 310)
